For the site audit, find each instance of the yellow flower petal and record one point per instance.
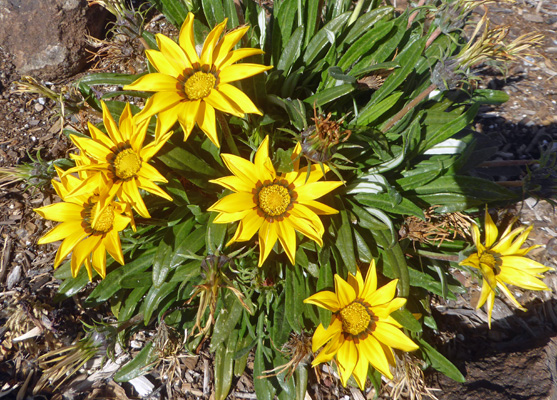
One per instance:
(240, 167)
(233, 183)
(186, 39)
(383, 295)
(324, 299)
(205, 119)
(237, 72)
(248, 226)
(229, 40)
(110, 125)
(60, 212)
(371, 350)
(370, 283)
(393, 337)
(162, 65)
(223, 103)
(113, 246)
(237, 55)
(268, 236)
(238, 100)
(346, 293)
(83, 249)
(173, 53)
(312, 191)
(234, 202)
(287, 238)
(155, 82)
(60, 231)
(491, 231)
(211, 42)
(360, 370)
(347, 357)
(322, 335)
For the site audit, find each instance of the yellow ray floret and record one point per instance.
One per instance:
(275, 206)
(504, 263)
(88, 241)
(361, 331)
(118, 163)
(189, 87)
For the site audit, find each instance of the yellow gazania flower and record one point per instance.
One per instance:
(276, 206)
(118, 163)
(88, 241)
(190, 86)
(503, 262)
(361, 329)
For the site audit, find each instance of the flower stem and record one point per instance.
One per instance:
(398, 116)
(227, 134)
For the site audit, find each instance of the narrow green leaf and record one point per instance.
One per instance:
(167, 257)
(324, 37)
(440, 362)
(365, 22)
(214, 12)
(174, 10)
(106, 78)
(344, 240)
(227, 319)
(291, 52)
(224, 366)
(384, 202)
(407, 320)
(370, 114)
(326, 96)
(138, 366)
(264, 390)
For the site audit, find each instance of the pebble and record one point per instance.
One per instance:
(533, 17)
(39, 107)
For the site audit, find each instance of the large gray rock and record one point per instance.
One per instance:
(47, 37)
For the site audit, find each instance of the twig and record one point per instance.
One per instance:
(506, 163)
(398, 116)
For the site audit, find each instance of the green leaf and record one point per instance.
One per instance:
(449, 129)
(473, 187)
(394, 262)
(330, 94)
(174, 10)
(194, 166)
(325, 36)
(226, 321)
(214, 12)
(439, 362)
(154, 297)
(106, 78)
(113, 280)
(369, 115)
(168, 253)
(264, 390)
(344, 240)
(295, 293)
(365, 44)
(231, 13)
(407, 320)
(384, 202)
(489, 96)
(138, 366)
(365, 22)
(291, 52)
(216, 234)
(280, 329)
(224, 366)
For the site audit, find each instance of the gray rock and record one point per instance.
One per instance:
(47, 38)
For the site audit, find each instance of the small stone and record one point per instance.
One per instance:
(533, 17)
(39, 107)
